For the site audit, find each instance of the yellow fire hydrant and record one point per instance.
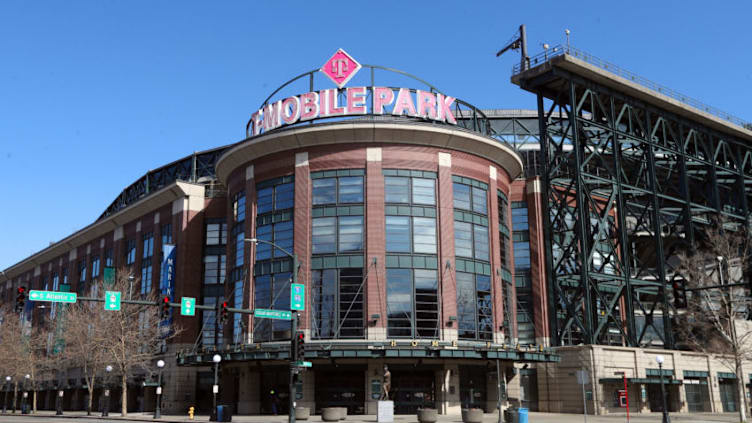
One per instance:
(190, 412)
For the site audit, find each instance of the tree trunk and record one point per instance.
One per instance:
(124, 395)
(91, 396)
(740, 391)
(34, 401)
(15, 396)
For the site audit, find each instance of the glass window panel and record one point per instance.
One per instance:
(263, 250)
(463, 239)
(324, 312)
(264, 202)
(283, 236)
(239, 248)
(396, 189)
(424, 191)
(324, 191)
(350, 233)
(480, 204)
(284, 196)
(239, 207)
(351, 303)
(398, 234)
(466, 305)
(461, 196)
(481, 242)
(424, 235)
(399, 302)
(351, 189)
(324, 235)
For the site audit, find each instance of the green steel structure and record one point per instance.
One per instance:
(631, 172)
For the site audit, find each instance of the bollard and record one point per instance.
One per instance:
(190, 412)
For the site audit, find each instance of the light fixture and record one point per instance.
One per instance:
(27, 376)
(253, 240)
(7, 378)
(108, 368)
(659, 359)
(217, 358)
(160, 363)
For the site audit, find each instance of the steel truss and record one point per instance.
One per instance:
(628, 185)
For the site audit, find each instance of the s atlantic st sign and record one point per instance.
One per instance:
(351, 101)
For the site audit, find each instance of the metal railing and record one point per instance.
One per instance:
(560, 50)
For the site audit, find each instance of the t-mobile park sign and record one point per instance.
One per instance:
(352, 101)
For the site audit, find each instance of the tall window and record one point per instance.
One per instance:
(410, 225)
(214, 269)
(474, 306)
(522, 277)
(95, 267)
(148, 244)
(237, 295)
(82, 271)
(216, 233)
(238, 206)
(337, 303)
(275, 199)
(146, 259)
(337, 187)
(108, 257)
(130, 252)
(470, 194)
(412, 303)
(166, 232)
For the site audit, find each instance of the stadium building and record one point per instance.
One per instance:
(485, 256)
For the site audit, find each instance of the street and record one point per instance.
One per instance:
(47, 417)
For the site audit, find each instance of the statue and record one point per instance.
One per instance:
(386, 385)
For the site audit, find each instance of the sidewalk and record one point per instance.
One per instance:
(488, 418)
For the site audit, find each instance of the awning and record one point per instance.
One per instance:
(634, 380)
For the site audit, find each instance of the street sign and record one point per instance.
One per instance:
(53, 296)
(187, 306)
(582, 377)
(272, 314)
(303, 364)
(112, 300)
(297, 296)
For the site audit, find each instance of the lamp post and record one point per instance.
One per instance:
(59, 402)
(5, 400)
(293, 324)
(158, 408)
(25, 394)
(659, 360)
(106, 408)
(215, 389)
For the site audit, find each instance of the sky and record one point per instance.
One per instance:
(93, 94)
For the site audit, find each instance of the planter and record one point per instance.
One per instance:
(472, 415)
(342, 412)
(302, 413)
(428, 415)
(330, 414)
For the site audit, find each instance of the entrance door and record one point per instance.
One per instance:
(413, 390)
(727, 388)
(697, 395)
(274, 390)
(529, 385)
(345, 388)
(473, 386)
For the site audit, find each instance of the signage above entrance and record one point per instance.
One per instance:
(354, 101)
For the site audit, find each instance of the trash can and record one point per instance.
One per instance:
(511, 415)
(25, 408)
(224, 413)
(523, 415)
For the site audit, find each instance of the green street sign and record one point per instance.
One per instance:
(187, 306)
(297, 296)
(53, 296)
(108, 275)
(303, 364)
(272, 314)
(112, 300)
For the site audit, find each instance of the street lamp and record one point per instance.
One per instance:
(25, 394)
(293, 323)
(106, 408)
(5, 400)
(158, 409)
(215, 389)
(59, 401)
(659, 360)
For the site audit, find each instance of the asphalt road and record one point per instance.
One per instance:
(74, 417)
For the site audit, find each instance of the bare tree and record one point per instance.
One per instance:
(718, 298)
(134, 336)
(85, 338)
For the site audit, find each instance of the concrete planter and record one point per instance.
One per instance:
(428, 415)
(472, 415)
(342, 412)
(330, 414)
(302, 413)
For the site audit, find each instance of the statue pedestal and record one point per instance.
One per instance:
(385, 412)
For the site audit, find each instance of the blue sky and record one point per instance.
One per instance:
(93, 94)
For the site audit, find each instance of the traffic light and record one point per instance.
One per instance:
(680, 294)
(165, 307)
(20, 299)
(224, 313)
(299, 346)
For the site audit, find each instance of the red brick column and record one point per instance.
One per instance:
(375, 245)
(302, 231)
(250, 253)
(538, 261)
(447, 277)
(495, 252)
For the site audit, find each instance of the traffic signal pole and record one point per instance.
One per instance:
(293, 344)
